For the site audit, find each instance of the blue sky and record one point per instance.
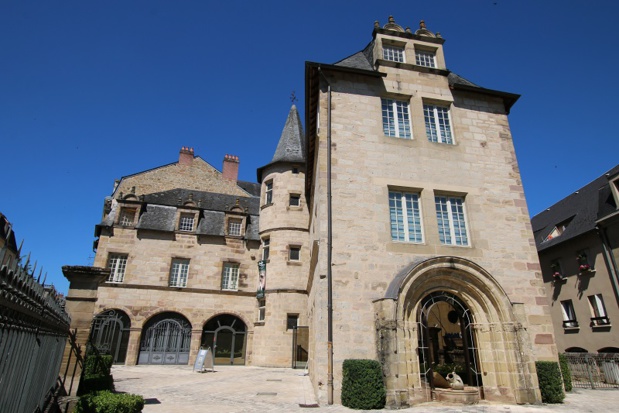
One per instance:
(91, 91)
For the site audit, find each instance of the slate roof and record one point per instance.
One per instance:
(251, 188)
(291, 146)
(584, 207)
(204, 200)
(360, 60)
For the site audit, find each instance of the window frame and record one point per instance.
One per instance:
(124, 213)
(396, 123)
(183, 219)
(262, 304)
(401, 209)
(599, 316)
(230, 276)
(438, 123)
(569, 315)
(463, 225)
(179, 273)
(425, 57)
(294, 248)
(266, 248)
(394, 53)
(118, 269)
(235, 227)
(294, 196)
(268, 192)
(289, 318)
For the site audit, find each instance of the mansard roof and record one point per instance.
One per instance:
(291, 146)
(203, 200)
(581, 211)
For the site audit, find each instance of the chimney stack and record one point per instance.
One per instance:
(186, 156)
(230, 169)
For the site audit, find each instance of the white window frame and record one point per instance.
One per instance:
(186, 222)
(437, 119)
(425, 58)
(125, 213)
(405, 217)
(266, 248)
(179, 273)
(235, 226)
(396, 118)
(598, 310)
(117, 263)
(394, 53)
(453, 213)
(569, 315)
(230, 277)
(268, 192)
(296, 248)
(262, 304)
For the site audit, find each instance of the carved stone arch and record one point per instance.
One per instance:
(506, 370)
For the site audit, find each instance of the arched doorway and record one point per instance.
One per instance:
(225, 334)
(166, 339)
(109, 334)
(447, 340)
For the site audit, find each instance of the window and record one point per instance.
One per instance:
(292, 321)
(425, 58)
(266, 246)
(294, 254)
(268, 193)
(230, 277)
(396, 118)
(261, 310)
(295, 200)
(569, 317)
(295, 171)
(127, 217)
(598, 311)
(117, 264)
(179, 273)
(584, 263)
(393, 53)
(186, 222)
(438, 127)
(405, 216)
(234, 227)
(557, 270)
(559, 229)
(451, 220)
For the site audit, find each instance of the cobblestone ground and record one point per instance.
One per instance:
(256, 389)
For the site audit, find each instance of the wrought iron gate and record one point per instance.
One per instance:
(110, 334)
(166, 341)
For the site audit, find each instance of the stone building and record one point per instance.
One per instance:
(394, 229)
(578, 244)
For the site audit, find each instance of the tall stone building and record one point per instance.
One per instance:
(394, 229)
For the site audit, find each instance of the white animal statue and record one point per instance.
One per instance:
(455, 381)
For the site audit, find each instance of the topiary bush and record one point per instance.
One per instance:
(565, 371)
(108, 402)
(96, 375)
(95, 365)
(550, 384)
(362, 385)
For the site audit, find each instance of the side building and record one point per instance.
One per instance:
(578, 244)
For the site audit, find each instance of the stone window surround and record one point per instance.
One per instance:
(117, 263)
(124, 209)
(291, 196)
(262, 310)
(425, 55)
(268, 193)
(290, 249)
(186, 211)
(396, 111)
(230, 216)
(404, 192)
(394, 51)
(230, 275)
(179, 272)
(266, 248)
(447, 139)
(292, 318)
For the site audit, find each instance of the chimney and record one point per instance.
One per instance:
(186, 156)
(230, 169)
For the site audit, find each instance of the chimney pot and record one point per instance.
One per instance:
(230, 168)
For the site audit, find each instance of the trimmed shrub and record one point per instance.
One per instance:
(550, 384)
(96, 383)
(96, 365)
(362, 385)
(108, 402)
(565, 371)
(96, 374)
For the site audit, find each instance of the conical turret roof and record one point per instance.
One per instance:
(291, 146)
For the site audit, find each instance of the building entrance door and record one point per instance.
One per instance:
(165, 340)
(109, 334)
(225, 334)
(300, 346)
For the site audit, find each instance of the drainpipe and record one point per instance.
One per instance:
(329, 252)
(611, 264)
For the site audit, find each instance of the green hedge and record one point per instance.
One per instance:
(550, 383)
(96, 365)
(108, 402)
(96, 383)
(362, 385)
(565, 371)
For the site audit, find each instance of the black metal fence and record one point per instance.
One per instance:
(594, 370)
(33, 331)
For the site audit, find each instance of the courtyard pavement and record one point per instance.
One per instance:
(228, 389)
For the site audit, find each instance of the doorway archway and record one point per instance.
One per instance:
(225, 334)
(166, 339)
(109, 334)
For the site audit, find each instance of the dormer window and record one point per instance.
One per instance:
(426, 58)
(393, 53)
(234, 227)
(127, 217)
(186, 222)
(559, 229)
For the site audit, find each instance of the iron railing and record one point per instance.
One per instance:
(594, 370)
(33, 332)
